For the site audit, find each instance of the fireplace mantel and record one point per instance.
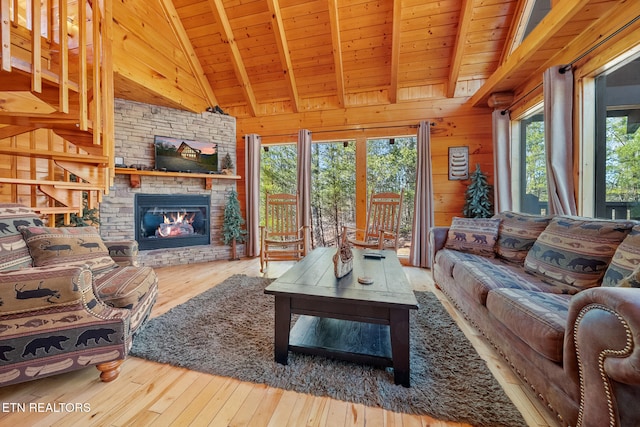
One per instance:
(135, 176)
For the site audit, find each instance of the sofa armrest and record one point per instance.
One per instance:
(601, 344)
(438, 236)
(123, 252)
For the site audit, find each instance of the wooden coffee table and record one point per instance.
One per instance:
(342, 318)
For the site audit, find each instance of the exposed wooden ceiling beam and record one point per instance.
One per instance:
(458, 49)
(238, 65)
(187, 48)
(395, 51)
(283, 50)
(337, 50)
(546, 30)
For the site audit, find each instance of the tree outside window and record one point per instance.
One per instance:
(534, 176)
(392, 167)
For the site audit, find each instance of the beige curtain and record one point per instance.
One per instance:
(502, 161)
(558, 135)
(423, 211)
(252, 176)
(304, 180)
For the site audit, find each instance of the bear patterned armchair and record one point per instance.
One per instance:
(65, 303)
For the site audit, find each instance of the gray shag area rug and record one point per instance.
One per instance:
(228, 331)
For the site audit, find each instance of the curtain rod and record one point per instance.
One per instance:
(567, 67)
(346, 130)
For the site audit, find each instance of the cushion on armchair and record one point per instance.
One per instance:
(14, 253)
(474, 235)
(67, 246)
(576, 251)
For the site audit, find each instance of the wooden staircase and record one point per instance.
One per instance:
(56, 104)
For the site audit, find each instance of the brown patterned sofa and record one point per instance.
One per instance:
(65, 303)
(559, 300)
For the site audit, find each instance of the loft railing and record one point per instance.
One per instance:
(56, 72)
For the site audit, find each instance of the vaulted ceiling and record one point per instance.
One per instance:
(268, 56)
(258, 58)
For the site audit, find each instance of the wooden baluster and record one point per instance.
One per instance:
(108, 130)
(6, 35)
(82, 65)
(50, 20)
(36, 46)
(97, 54)
(63, 88)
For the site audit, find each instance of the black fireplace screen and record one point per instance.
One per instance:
(171, 221)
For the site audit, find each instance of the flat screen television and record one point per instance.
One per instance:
(184, 155)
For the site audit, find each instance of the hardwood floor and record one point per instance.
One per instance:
(148, 393)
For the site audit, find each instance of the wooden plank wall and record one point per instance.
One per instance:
(148, 61)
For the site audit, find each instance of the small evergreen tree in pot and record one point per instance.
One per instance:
(232, 231)
(227, 164)
(478, 197)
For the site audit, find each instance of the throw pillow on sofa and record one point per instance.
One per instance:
(474, 235)
(631, 281)
(625, 260)
(517, 234)
(67, 246)
(576, 251)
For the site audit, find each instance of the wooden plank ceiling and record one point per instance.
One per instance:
(258, 58)
(265, 57)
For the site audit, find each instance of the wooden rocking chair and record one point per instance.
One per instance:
(383, 223)
(282, 239)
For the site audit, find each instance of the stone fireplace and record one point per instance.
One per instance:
(136, 124)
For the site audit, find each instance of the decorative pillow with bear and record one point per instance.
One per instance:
(576, 251)
(625, 260)
(517, 234)
(67, 246)
(474, 235)
(15, 254)
(631, 281)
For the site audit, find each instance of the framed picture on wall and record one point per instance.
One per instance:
(458, 163)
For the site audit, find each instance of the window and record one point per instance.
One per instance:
(278, 172)
(534, 197)
(539, 10)
(391, 166)
(333, 190)
(617, 170)
(533, 11)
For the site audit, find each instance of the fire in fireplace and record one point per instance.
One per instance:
(171, 221)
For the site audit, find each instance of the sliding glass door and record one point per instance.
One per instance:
(617, 170)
